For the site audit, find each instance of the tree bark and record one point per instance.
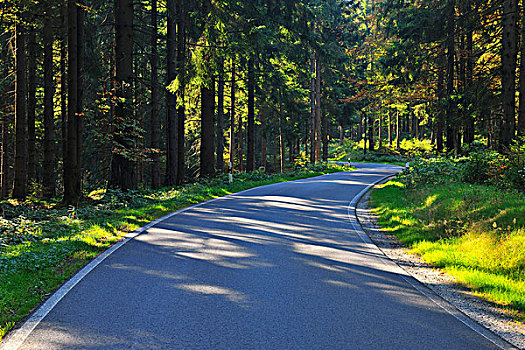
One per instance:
(20, 165)
(31, 105)
(521, 112)
(398, 132)
(154, 116)
(281, 134)
(250, 154)
(181, 75)
(220, 117)
(440, 122)
(171, 101)
(325, 137)
(123, 168)
(232, 117)
(49, 163)
(508, 78)
(318, 123)
(207, 166)
(450, 123)
(263, 140)
(312, 108)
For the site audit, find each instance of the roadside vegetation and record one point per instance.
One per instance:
(43, 244)
(467, 216)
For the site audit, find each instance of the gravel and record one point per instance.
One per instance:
(441, 283)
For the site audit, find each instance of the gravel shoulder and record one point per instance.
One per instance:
(441, 283)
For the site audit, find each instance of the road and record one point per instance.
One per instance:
(279, 267)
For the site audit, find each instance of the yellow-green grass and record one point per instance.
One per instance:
(475, 233)
(59, 242)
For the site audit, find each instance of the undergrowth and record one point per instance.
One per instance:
(475, 232)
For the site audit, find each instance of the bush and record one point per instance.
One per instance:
(432, 170)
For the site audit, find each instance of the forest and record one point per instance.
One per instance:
(144, 94)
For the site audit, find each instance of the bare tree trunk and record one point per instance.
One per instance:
(31, 105)
(181, 74)
(6, 137)
(312, 108)
(451, 25)
(250, 154)
(371, 141)
(521, 112)
(171, 101)
(220, 117)
(508, 79)
(49, 163)
(154, 116)
(232, 117)
(325, 137)
(123, 167)
(398, 132)
(207, 166)
(440, 122)
(263, 140)
(390, 129)
(281, 136)
(20, 166)
(318, 136)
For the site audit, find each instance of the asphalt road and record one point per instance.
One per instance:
(278, 267)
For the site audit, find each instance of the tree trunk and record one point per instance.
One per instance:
(398, 132)
(123, 169)
(63, 78)
(312, 108)
(521, 112)
(49, 163)
(171, 101)
(20, 166)
(181, 75)
(207, 166)
(232, 117)
(318, 123)
(390, 129)
(508, 78)
(281, 134)
(371, 141)
(440, 122)
(250, 154)
(220, 117)
(451, 25)
(263, 140)
(325, 138)
(31, 105)
(6, 137)
(154, 116)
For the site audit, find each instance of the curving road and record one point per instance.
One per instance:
(279, 267)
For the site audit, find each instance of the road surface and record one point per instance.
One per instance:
(279, 267)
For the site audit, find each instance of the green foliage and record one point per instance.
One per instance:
(474, 232)
(431, 171)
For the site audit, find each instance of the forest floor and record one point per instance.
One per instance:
(42, 245)
(475, 233)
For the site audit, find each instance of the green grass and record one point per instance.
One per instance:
(42, 247)
(476, 233)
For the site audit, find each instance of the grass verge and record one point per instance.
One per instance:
(476, 233)
(40, 248)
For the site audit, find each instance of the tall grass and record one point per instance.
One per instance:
(475, 232)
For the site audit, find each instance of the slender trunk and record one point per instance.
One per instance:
(390, 129)
(365, 130)
(380, 131)
(232, 117)
(123, 167)
(49, 163)
(521, 112)
(281, 134)
(508, 78)
(341, 134)
(20, 166)
(371, 141)
(207, 166)
(250, 154)
(263, 140)
(31, 105)
(171, 101)
(63, 78)
(325, 137)
(440, 120)
(154, 116)
(6, 137)
(220, 117)
(181, 74)
(450, 124)
(398, 132)
(312, 108)
(318, 123)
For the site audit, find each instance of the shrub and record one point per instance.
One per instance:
(432, 170)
